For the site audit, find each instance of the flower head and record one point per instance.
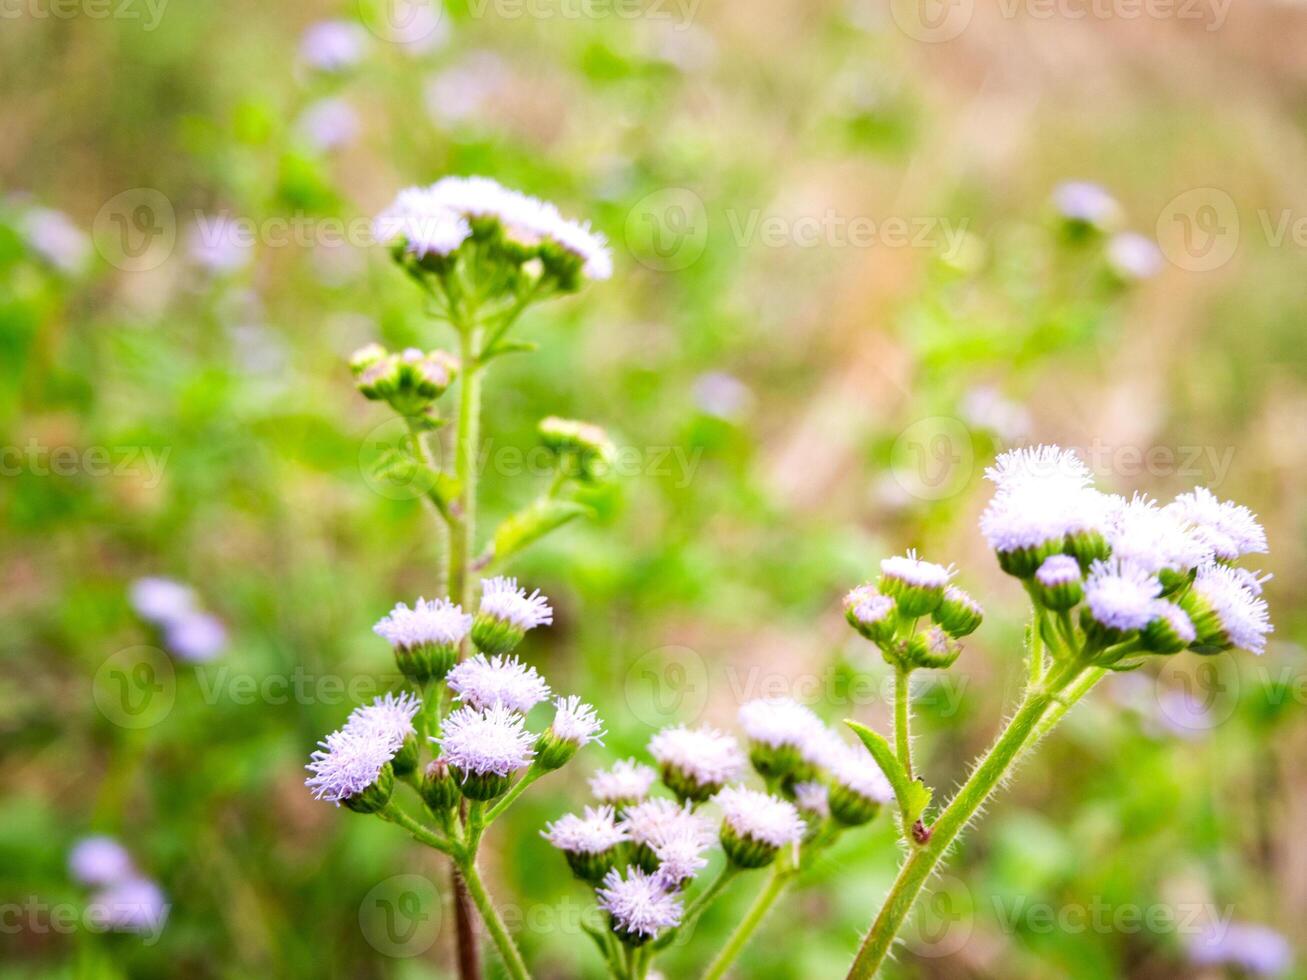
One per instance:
(483, 682)
(506, 613)
(161, 600)
(347, 764)
(424, 225)
(133, 904)
(1228, 529)
(52, 235)
(196, 636)
(1133, 256)
(1086, 203)
(812, 797)
(1155, 538)
(388, 719)
(332, 45)
(659, 819)
(627, 782)
(99, 861)
(639, 904)
(760, 816)
(491, 741)
(696, 762)
(1120, 595)
(778, 722)
(678, 849)
(576, 722)
(1225, 611)
(855, 769)
(1058, 570)
(328, 124)
(1258, 949)
(870, 613)
(425, 638)
(595, 832)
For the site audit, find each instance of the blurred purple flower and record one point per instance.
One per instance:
(99, 860)
(131, 905)
(1255, 948)
(220, 243)
(161, 600)
(196, 636)
(1079, 200)
(722, 395)
(332, 45)
(54, 237)
(329, 124)
(1134, 256)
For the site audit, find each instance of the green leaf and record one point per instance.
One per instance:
(508, 347)
(881, 751)
(534, 522)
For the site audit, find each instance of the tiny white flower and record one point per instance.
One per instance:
(627, 780)
(914, 571)
(660, 819)
(1154, 538)
(1241, 612)
(707, 756)
(346, 763)
(576, 722)
(388, 719)
(422, 223)
(491, 741)
(679, 849)
(1058, 570)
(502, 599)
(485, 681)
(437, 621)
(760, 817)
(1230, 530)
(593, 833)
(812, 797)
(639, 904)
(1121, 595)
(778, 722)
(161, 600)
(855, 769)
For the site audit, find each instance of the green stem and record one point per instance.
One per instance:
(393, 814)
(780, 878)
(1036, 650)
(699, 904)
(476, 888)
(984, 779)
(902, 710)
(1068, 699)
(516, 790)
(466, 447)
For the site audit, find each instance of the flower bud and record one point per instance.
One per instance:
(1022, 563)
(1169, 631)
(958, 614)
(553, 752)
(375, 796)
(755, 826)
(916, 586)
(746, 852)
(582, 451)
(365, 357)
(850, 807)
(505, 614)
(439, 788)
(1087, 546)
(1057, 584)
(481, 786)
(406, 757)
(933, 649)
(871, 614)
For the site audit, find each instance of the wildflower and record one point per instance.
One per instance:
(871, 614)
(1258, 949)
(1156, 539)
(426, 638)
(722, 396)
(778, 730)
(484, 748)
(591, 842)
(389, 720)
(933, 649)
(195, 636)
(99, 861)
(1228, 529)
(506, 613)
(958, 614)
(439, 789)
(627, 783)
(638, 905)
(917, 586)
(351, 768)
(161, 600)
(1225, 611)
(755, 826)
(583, 451)
(1132, 256)
(1169, 629)
(858, 787)
(696, 763)
(1119, 599)
(678, 850)
(54, 237)
(483, 682)
(132, 905)
(1085, 205)
(328, 124)
(812, 798)
(421, 225)
(1057, 583)
(575, 724)
(332, 45)
(656, 821)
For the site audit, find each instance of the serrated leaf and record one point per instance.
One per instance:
(532, 523)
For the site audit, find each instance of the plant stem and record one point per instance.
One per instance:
(902, 709)
(494, 924)
(1036, 650)
(699, 904)
(1068, 698)
(780, 878)
(425, 835)
(516, 790)
(983, 780)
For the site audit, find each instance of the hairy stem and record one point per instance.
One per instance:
(516, 790)
(476, 888)
(776, 884)
(982, 782)
(902, 711)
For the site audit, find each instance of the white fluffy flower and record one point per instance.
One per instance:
(915, 571)
(502, 599)
(760, 817)
(1242, 613)
(778, 722)
(422, 223)
(483, 682)
(704, 754)
(1154, 538)
(1058, 570)
(1176, 618)
(491, 741)
(1041, 494)
(679, 849)
(576, 722)
(867, 605)
(593, 833)
(388, 719)
(1230, 530)
(346, 763)
(639, 903)
(1049, 467)
(1121, 595)
(660, 818)
(626, 780)
(437, 621)
(812, 797)
(855, 769)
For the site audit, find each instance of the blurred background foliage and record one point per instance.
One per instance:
(798, 408)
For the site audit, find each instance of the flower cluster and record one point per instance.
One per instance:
(174, 609)
(125, 900)
(641, 852)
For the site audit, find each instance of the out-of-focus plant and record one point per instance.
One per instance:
(1146, 580)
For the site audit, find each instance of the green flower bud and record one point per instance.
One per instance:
(582, 451)
(482, 786)
(871, 614)
(746, 852)
(439, 788)
(373, 798)
(850, 807)
(1024, 562)
(916, 586)
(1057, 584)
(933, 649)
(1087, 547)
(1169, 631)
(958, 614)
(407, 758)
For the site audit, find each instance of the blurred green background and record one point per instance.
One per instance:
(840, 287)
